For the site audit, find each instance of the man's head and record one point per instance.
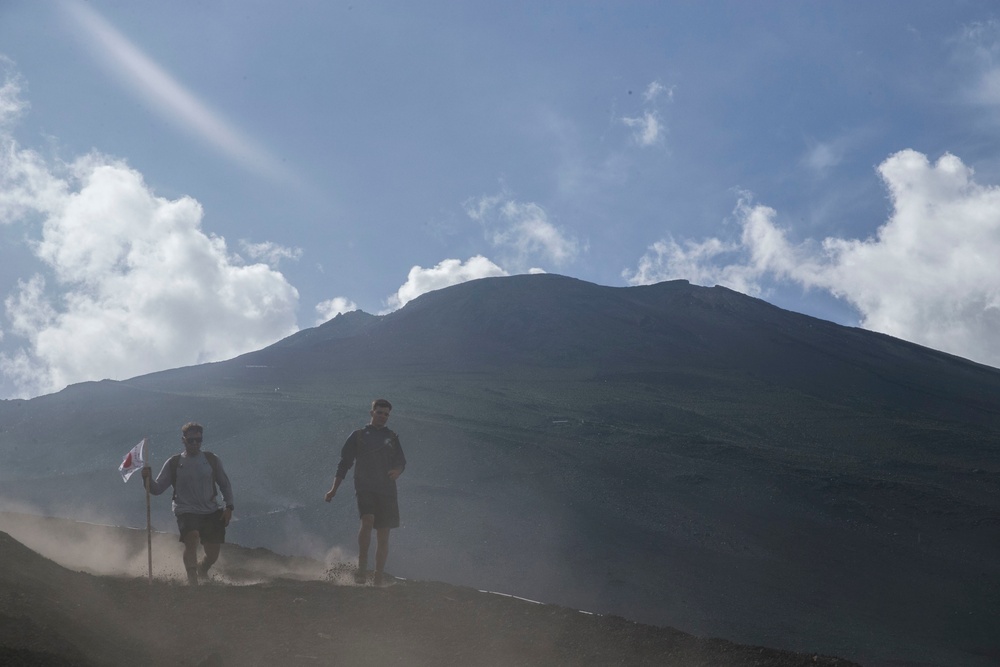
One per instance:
(191, 435)
(380, 412)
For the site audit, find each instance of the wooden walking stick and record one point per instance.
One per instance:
(149, 523)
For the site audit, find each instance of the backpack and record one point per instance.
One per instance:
(213, 461)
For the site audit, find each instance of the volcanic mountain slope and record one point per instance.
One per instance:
(51, 616)
(677, 455)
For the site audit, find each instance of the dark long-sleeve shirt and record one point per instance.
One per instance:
(373, 452)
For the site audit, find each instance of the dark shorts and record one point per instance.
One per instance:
(383, 506)
(210, 527)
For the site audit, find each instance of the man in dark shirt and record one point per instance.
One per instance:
(380, 461)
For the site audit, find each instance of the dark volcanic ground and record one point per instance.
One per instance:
(264, 609)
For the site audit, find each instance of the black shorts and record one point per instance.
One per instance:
(382, 505)
(210, 527)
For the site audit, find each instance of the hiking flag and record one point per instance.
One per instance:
(134, 460)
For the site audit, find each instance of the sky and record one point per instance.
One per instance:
(184, 182)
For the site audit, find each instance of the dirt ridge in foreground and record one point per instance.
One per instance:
(51, 616)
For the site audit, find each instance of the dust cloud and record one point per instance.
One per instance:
(103, 549)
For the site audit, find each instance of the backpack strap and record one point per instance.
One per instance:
(173, 462)
(213, 461)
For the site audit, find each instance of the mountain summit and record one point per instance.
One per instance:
(673, 454)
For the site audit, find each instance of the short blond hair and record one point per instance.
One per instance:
(191, 426)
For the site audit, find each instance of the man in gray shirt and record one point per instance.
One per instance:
(380, 462)
(196, 478)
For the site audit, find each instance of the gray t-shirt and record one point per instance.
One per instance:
(194, 490)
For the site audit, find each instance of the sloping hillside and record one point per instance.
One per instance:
(51, 616)
(676, 455)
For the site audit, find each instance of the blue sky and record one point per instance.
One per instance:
(183, 182)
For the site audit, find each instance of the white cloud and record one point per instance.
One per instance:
(930, 274)
(655, 89)
(329, 309)
(270, 253)
(522, 231)
(742, 265)
(165, 95)
(697, 262)
(25, 182)
(979, 46)
(823, 156)
(448, 272)
(648, 128)
(12, 105)
(133, 283)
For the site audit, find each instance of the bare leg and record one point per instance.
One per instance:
(211, 555)
(190, 540)
(381, 552)
(364, 541)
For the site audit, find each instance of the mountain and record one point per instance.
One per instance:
(261, 609)
(677, 455)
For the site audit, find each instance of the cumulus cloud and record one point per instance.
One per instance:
(329, 309)
(25, 183)
(694, 261)
(132, 284)
(447, 273)
(522, 232)
(929, 274)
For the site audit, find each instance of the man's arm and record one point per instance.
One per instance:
(347, 456)
(222, 479)
(398, 460)
(162, 481)
(333, 490)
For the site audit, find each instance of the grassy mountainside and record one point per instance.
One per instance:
(677, 455)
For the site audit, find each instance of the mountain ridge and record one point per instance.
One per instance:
(674, 454)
